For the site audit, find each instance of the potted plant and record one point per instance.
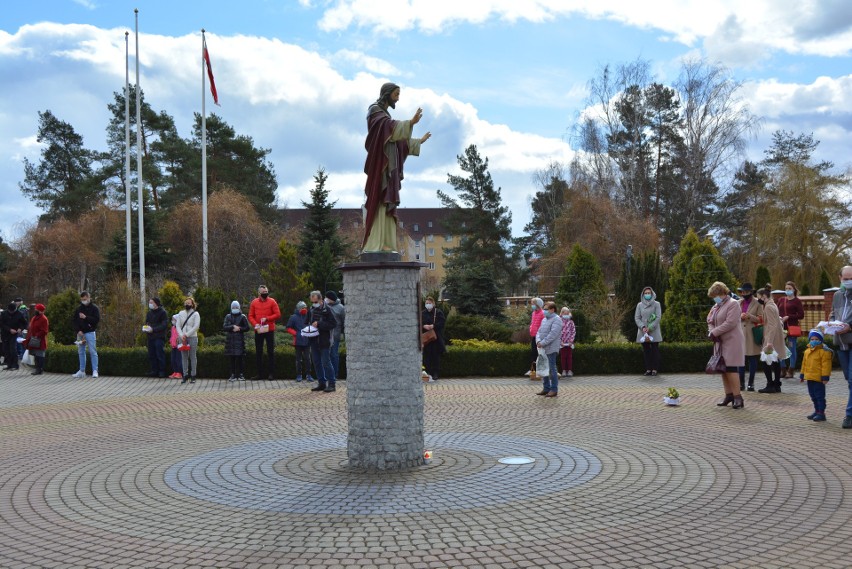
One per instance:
(672, 398)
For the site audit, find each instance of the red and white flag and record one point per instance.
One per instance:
(210, 74)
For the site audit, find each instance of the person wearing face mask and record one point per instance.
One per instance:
(841, 311)
(548, 338)
(263, 314)
(176, 357)
(751, 317)
(85, 321)
(188, 323)
(566, 343)
(791, 310)
(298, 320)
(536, 305)
(723, 324)
(322, 318)
(647, 317)
(156, 324)
(816, 370)
(37, 334)
(433, 319)
(22, 308)
(235, 326)
(773, 339)
(12, 322)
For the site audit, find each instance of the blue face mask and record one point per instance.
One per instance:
(789, 292)
(717, 299)
(648, 297)
(235, 311)
(847, 285)
(814, 343)
(549, 314)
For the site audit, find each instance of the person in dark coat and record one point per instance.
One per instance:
(156, 324)
(298, 320)
(236, 325)
(11, 324)
(433, 319)
(322, 319)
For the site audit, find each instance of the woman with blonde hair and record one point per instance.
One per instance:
(723, 324)
(188, 322)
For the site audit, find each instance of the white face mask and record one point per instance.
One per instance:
(317, 304)
(86, 302)
(429, 306)
(566, 317)
(151, 305)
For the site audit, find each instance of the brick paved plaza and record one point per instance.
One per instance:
(133, 472)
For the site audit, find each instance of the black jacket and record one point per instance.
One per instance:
(12, 319)
(158, 320)
(326, 323)
(90, 322)
(235, 344)
(436, 318)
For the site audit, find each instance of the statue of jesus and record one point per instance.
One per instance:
(388, 144)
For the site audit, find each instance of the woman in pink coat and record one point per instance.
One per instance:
(723, 324)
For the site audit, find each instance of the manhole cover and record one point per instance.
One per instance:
(516, 460)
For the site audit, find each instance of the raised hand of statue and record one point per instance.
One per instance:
(417, 116)
(426, 137)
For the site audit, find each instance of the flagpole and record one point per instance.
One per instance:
(139, 170)
(127, 217)
(204, 263)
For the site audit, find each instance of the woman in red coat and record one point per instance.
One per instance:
(38, 329)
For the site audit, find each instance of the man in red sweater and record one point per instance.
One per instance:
(263, 313)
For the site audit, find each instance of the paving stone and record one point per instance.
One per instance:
(138, 472)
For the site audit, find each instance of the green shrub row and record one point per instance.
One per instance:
(496, 360)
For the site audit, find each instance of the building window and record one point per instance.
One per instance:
(417, 257)
(431, 266)
(416, 227)
(429, 223)
(431, 252)
(430, 238)
(402, 224)
(449, 238)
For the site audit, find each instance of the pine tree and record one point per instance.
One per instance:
(472, 289)
(581, 279)
(483, 224)
(63, 182)
(696, 266)
(321, 229)
(824, 281)
(762, 277)
(285, 282)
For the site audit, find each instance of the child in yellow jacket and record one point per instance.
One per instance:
(816, 370)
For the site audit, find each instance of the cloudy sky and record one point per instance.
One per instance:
(507, 75)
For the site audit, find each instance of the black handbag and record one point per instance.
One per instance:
(716, 363)
(34, 343)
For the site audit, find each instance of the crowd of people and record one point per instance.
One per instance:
(23, 336)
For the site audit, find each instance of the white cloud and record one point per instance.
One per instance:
(819, 27)
(367, 63)
(289, 99)
(88, 4)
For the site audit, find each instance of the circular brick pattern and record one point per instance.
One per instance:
(252, 476)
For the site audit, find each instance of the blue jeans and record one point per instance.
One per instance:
(91, 342)
(846, 366)
(322, 365)
(816, 389)
(156, 356)
(793, 344)
(751, 364)
(334, 356)
(551, 382)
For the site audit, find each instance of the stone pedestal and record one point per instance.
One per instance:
(383, 364)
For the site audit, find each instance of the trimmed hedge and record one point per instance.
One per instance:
(470, 358)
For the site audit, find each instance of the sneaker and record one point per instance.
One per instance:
(819, 417)
(847, 422)
(569, 374)
(310, 379)
(811, 416)
(241, 378)
(329, 389)
(95, 373)
(298, 379)
(232, 378)
(79, 375)
(528, 373)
